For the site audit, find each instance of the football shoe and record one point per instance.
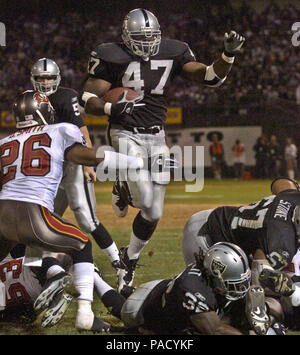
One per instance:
(57, 309)
(127, 269)
(52, 287)
(256, 310)
(277, 281)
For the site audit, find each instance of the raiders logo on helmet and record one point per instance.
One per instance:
(217, 267)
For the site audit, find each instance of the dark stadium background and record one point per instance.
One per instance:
(262, 90)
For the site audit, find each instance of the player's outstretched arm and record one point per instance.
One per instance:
(216, 73)
(82, 155)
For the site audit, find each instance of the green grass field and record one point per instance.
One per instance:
(162, 257)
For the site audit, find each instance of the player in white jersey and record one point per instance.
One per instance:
(21, 285)
(31, 163)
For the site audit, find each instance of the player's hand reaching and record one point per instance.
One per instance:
(89, 173)
(121, 106)
(233, 42)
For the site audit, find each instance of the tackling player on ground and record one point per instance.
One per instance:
(195, 300)
(147, 63)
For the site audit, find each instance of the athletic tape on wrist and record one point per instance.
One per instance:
(87, 95)
(107, 108)
(227, 59)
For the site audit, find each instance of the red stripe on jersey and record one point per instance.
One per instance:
(63, 228)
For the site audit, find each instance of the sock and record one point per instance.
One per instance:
(84, 306)
(142, 230)
(113, 301)
(85, 315)
(295, 297)
(54, 270)
(136, 245)
(100, 285)
(112, 252)
(105, 242)
(83, 280)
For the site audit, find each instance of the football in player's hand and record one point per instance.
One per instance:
(113, 95)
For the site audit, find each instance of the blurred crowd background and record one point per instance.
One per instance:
(263, 87)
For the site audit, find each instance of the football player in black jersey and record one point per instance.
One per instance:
(76, 188)
(269, 225)
(147, 63)
(267, 231)
(196, 299)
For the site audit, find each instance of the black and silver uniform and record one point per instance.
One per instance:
(170, 304)
(114, 63)
(265, 225)
(65, 104)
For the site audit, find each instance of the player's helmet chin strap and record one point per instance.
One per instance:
(41, 117)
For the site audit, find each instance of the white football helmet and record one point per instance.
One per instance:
(141, 33)
(43, 69)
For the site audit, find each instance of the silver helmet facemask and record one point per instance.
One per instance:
(227, 267)
(45, 68)
(141, 33)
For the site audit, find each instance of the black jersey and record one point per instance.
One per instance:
(265, 225)
(65, 104)
(170, 304)
(151, 78)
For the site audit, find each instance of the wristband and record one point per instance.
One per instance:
(114, 160)
(86, 96)
(227, 59)
(107, 108)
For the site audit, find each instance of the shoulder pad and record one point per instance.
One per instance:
(172, 48)
(67, 91)
(112, 53)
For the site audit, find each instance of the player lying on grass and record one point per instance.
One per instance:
(31, 161)
(24, 286)
(205, 298)
(268, 231)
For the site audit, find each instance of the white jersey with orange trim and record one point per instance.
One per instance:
(21, 284)
(31, 162)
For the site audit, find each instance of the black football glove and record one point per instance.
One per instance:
(233, 43)
(122, 106)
